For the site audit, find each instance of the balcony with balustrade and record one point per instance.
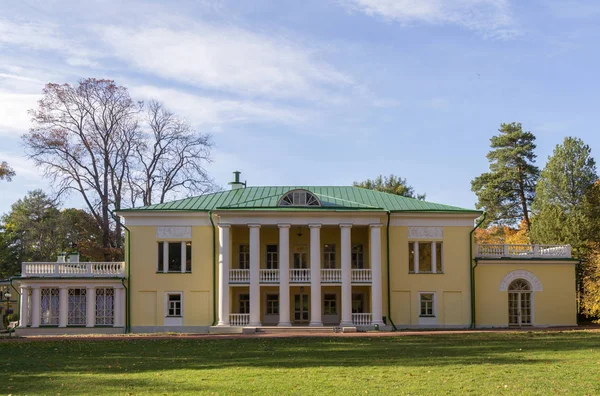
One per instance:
(73, 270)
(535, 251)
(299, 275)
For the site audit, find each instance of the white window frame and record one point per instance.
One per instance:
(243, 258)
(357, 256)
(329, 257)
(165, 257)
(327, 304)
(167, 304)
(269, 305)
(299, 198)
(239, 302)
(433, 308)
(413, 268)
(271, 258)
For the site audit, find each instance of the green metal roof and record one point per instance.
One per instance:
(332, 198)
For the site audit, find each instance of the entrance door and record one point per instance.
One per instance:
(519, 303)
(301, 308)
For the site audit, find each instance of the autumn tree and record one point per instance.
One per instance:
(507, 190)
(6, 172)
(390, 184)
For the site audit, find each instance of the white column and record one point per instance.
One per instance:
(433, 258)
(63, 306)
(119, 307)
(284, 275)
(376, 281)
(23, 309)
(165, 257)
(416, 263)
(224, 250)
(90, 312)
(36, 302)
(346, 251)
(254, 275)
(315, 275)
(183, 257)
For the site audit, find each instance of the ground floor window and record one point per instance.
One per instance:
(77, 306)
(244, 307)
(49, 306)
(330, 304)
(272, 304)
(427, 304)
(105, 306)
(174, 305)
(358, 303)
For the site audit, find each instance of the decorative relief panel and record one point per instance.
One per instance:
(174, 232)
(425, 233)
(533, 280)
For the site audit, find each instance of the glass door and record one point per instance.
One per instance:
(301, 308)
(519, 309)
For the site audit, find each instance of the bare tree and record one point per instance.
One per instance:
(171, 158)
(6, 172)
(78, 136)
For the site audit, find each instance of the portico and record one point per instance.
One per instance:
(306, 267)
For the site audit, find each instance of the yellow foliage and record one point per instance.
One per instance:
(503, 235)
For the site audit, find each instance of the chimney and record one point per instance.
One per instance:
(74, 257)
(236, 183)
(61, 257)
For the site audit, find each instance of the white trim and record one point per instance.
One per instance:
(167, 219)
(533, 280)
(427, 320)
(432, 220)
(301, 218)
(425, 233)
(173, 320)
(179, 233)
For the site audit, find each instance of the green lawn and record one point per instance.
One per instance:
(482, 363)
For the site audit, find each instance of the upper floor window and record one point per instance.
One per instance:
(425, 257)
(299, 198)
(244, 256)
(272, 257)
(358, 258)
(329, 256)
(175, 256)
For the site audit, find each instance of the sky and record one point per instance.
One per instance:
(318, 92)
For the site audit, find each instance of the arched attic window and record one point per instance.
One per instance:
(299, 198)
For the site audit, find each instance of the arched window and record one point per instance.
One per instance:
(299, 198)
(519, 285)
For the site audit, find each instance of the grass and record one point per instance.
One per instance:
(481, 363)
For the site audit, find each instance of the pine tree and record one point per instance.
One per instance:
(507, 191)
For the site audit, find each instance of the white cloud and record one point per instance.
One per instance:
(491, 17)
(225, 58)
(214, 112)
(14, 119)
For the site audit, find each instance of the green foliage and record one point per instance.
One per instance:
(6, 172)
(507, 190)
(391, 185)
(13, 317)
(515, 363)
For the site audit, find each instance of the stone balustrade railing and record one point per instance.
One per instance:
(362, 319)
(522, 251)
(62, 270)
(239, 319)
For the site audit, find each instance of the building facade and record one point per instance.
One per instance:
(254, 257)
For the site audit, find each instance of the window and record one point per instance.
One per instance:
(329, 256)
(425, 257)
(330, 304)
(358, 261)
(244, 256)
(77, 306)
(358, 303)
(174, 305)
(244, 303)
(272, 304)
(300, 260)
(299, 198)
(172, 255)
(427, 304)
(49, 306)
(105, 306)
(272, 257)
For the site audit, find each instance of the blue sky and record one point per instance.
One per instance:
(319, 92)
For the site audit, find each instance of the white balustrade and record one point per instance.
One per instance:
(361, 319)
(523, 251)
(239, 319)
(299, 275)
(331, 275)
(237, 275)
(61, 270)
(269, 275)
(361, 275)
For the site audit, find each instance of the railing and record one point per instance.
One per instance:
(239, 276)
(361, 319)
(269, 275)
(361, 275)
(239, 319)
(331, 275)
(84, 270)
(300, 275)
(521, 251)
